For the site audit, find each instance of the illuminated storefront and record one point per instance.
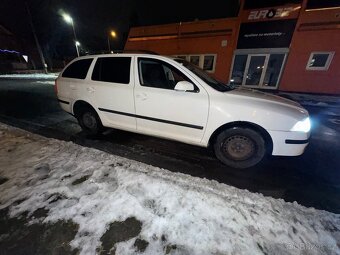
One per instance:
(263, 44)
(291, 45)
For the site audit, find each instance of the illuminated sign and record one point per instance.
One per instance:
(271, 13)
(275, 13)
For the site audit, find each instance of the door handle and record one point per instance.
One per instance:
(142, 96)
(73, 87)
(90, 89)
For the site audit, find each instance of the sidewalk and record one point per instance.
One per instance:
(61, 198)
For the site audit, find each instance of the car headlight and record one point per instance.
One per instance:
(302, 126)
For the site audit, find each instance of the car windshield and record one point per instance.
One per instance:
(205, 77)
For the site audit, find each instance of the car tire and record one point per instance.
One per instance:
(89, 121)
(240, 147)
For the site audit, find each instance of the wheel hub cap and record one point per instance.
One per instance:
(238, 147)
(89, 121)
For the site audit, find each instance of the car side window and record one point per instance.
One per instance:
(112, 69)
(158, 74)
(78, 69)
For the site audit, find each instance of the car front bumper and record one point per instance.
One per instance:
(289, 143)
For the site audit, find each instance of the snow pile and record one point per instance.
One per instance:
(197, 215)
(32, 76)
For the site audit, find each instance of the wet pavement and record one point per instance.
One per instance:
(312, 179)
(20, 238)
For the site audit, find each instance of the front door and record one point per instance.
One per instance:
(163, 111)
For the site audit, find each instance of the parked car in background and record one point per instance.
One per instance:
(173, 99)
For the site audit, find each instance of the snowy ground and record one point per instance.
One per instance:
(30, 76)
(179, 214)
(46, 79)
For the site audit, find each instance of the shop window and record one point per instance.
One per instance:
(273, 70)
(319, 60)
(238, 69)
(257, 70)
(195, 60)
(206, 62)
(209, 63)
(183, 57)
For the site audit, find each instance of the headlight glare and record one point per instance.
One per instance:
(302, 126)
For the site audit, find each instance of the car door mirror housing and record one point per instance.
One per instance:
(184, 86)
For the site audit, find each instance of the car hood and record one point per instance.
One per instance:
(261, 96)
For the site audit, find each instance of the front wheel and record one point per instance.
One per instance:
(240, 147)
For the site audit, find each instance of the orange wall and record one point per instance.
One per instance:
(200, 37)
(317, 30)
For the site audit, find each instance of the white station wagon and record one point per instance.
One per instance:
(173, 99)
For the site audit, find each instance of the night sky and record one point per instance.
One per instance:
(93, 19)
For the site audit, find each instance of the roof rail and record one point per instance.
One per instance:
(136, 51)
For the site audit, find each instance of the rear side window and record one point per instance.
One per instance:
(112, 69)
(78, 69)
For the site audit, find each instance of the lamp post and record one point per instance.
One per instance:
(113, 35)
(43, 62)
(68, 19)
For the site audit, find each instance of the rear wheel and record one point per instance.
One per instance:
(89, 121)
(240, 147)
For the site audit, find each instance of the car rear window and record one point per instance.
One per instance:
(112, 69)
(78, 69)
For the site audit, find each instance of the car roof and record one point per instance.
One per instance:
(140, 54)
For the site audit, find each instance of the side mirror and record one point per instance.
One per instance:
(184, 86)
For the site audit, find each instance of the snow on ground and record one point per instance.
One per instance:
(335, 121)
(31, 76)
(199, 216)
(46, 82)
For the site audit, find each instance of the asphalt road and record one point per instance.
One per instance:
(312, 179)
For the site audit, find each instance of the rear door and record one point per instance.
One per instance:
(163, 111)
(111, 87)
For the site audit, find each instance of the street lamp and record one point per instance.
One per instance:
(113, 35)
(68, 19)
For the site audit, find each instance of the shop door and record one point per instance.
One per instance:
(261, 70)
(255, 70)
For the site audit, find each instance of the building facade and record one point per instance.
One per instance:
(313, 64)
(10, 52)
(291, 46)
